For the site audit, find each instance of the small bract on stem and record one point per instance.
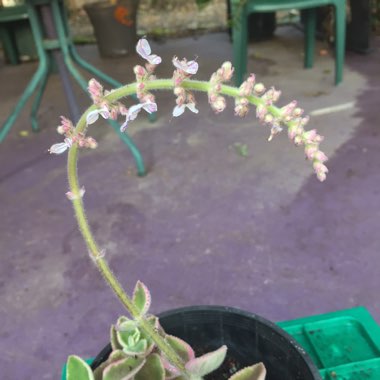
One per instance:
(142, 336)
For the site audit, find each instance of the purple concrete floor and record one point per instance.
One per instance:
(206, 225)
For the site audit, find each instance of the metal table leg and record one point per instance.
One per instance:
(59, 47)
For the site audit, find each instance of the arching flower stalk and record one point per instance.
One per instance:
(140, 345)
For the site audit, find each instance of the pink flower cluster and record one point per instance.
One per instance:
(147, 73)
(105, 108)
(223, 74)
(66, 128)
(293, 116)
(185, 99)
(249, 92)
(290, 115)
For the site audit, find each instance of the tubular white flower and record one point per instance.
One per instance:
(93, 116)
(134, 110)
(179, 110)
(144, 50)
(190, 67)
(61, 147)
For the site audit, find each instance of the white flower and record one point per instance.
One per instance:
(143, 48)
(71, 196)
(179, 110)
(134, 111)
(93, 116)
(190, 67)
(61, 147)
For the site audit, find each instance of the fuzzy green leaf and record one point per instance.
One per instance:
(78, 369)
(140, 348)
(114, 357)
(207, 363)
(255, 372)
(141, 297)
(113, 339)
(124, 369)
(153, 369)
(183, 349)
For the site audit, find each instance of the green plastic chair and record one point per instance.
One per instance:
(242, 8)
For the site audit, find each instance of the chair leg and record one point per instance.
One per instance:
(310, 27)
(37, 100)
(9, 45)
(239, 41)
(340, 39)
(28, 92)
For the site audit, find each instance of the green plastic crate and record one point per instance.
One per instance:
(344, 345)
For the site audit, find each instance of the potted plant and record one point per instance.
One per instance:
(186, 343)
(114, 23)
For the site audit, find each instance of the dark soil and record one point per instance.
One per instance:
(226, 370)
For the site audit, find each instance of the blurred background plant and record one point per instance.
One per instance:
(376, 16)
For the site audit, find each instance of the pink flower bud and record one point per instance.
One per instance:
(246, 87)
(298, 112)
(304, 120)
(310, 136)
(241, 110)
(61, 130)
(310, 150)
(261, 111)
(91, 143)
(298, 140)
(288, 109)
(95, 89)
(71, 196)
(179, 91)
(292, 131)
(320, 170)
(259, 88)
(212, 96)
(268, 119)
(139, 71)
(228, 71)
(219, 104)
(320, 156)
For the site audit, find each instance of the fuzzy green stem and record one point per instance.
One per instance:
(95, 252)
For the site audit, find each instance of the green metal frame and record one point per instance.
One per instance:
(8, 17)
(240, 13)
(38, 82)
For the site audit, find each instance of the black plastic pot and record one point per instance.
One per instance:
(249, 338)
(114, 26)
